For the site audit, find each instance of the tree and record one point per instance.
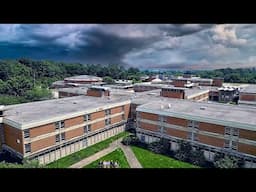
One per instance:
(37, 94)
(108, 80)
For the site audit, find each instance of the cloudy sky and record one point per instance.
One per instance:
(147, 46)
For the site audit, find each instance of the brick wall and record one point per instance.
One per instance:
(171, 94)
(177, 121)
(147, 126)
(211, 141)
(74, 121)
(246, 134)
(212, 128)
(11, 135)
(44, 129)
(248, 97)
(74, 133)
(149, 116)
(248, 149)
(177, 133)
(42, 143)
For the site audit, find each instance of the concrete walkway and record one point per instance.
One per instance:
(113, 146)
(131, 158)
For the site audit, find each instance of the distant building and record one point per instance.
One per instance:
(247, 95)
(197, 93)
(83, 79)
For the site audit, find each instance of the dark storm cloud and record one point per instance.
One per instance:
(102, 47)
(179, 46)
(183, 29)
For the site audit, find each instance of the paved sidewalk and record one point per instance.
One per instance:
(113, 146)
(131, 158)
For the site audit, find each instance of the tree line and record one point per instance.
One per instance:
(25, 80)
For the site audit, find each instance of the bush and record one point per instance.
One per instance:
(130, 140)
(227, 162)
(156, 147)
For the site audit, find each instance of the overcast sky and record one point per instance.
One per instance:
(147, 46)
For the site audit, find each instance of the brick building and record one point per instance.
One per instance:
(49, 130)
(215, 128)
(195, 93)
(248, 95)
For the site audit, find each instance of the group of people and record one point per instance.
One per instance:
(108, 164)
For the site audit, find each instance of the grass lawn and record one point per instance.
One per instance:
(117, 155)
(78, 156)
(149, 159)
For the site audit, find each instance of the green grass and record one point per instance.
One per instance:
(149, 159)
(78, 156)
(117, 155)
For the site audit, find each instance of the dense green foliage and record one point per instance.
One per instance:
(226, 162)
(26, 80)
(240, 75)
(247, 75)
(149, 159)
(117, 155)
(78, 156)
(25, 164)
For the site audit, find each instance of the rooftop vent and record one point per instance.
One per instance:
(162, 107)
(169, 106)
(202, 108)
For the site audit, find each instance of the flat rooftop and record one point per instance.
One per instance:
(83, 78)
(76, 90)
(34, 112)
(191, 79)
(249, 89)
(223, 114)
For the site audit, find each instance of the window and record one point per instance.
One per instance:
(190, 134)
(195, 137)
(107, 112)
(142, 138)
(227, 130)
(164, 119)
(62, 124)
(107, 121)
(226, 144)
(235, 132)
(123, 117)
(59, 124)
(87, 117)
(56, 125)
(63, 136)
(234, 145)
(190, 123)
(87, 128)
(26, 133)
(27, 148)
(57, 138)
(1, 113)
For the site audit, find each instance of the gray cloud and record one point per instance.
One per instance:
(180, 46)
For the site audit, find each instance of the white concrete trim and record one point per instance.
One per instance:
(63, 130)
